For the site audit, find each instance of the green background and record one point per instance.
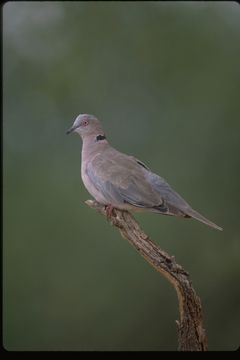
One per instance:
(164, 79)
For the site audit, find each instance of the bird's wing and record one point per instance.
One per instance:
(172, 199)
(175, 203)
(121, 179)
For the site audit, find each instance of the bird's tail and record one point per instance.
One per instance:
(194, 214)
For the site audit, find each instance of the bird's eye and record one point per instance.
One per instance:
(85, 123)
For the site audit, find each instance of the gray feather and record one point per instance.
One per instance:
(108, 174)
(123, 181)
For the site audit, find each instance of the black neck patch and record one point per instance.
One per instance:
(100, 137)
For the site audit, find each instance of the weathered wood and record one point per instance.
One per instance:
(191, 334)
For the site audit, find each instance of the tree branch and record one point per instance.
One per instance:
(191, 334)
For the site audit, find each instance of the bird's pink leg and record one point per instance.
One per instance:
(109, 210)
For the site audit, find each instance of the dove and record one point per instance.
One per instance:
(121, 181)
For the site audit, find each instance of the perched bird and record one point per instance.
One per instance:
(121, 181)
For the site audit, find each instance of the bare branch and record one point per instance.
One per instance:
(191, 334)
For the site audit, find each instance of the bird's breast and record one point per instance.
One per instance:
(90, 186)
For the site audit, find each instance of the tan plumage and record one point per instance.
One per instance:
(123, 181)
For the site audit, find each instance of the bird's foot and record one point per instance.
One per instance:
(109, 210)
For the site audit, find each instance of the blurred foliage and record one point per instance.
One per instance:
(164, 79)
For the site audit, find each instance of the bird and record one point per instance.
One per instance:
(121, 181)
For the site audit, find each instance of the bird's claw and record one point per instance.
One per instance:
(109, 211)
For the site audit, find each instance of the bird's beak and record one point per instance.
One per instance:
(71, 129)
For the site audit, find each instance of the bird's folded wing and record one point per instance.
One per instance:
(170, 197)
(121, 179)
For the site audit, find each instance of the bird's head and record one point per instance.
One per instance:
(86, 125)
